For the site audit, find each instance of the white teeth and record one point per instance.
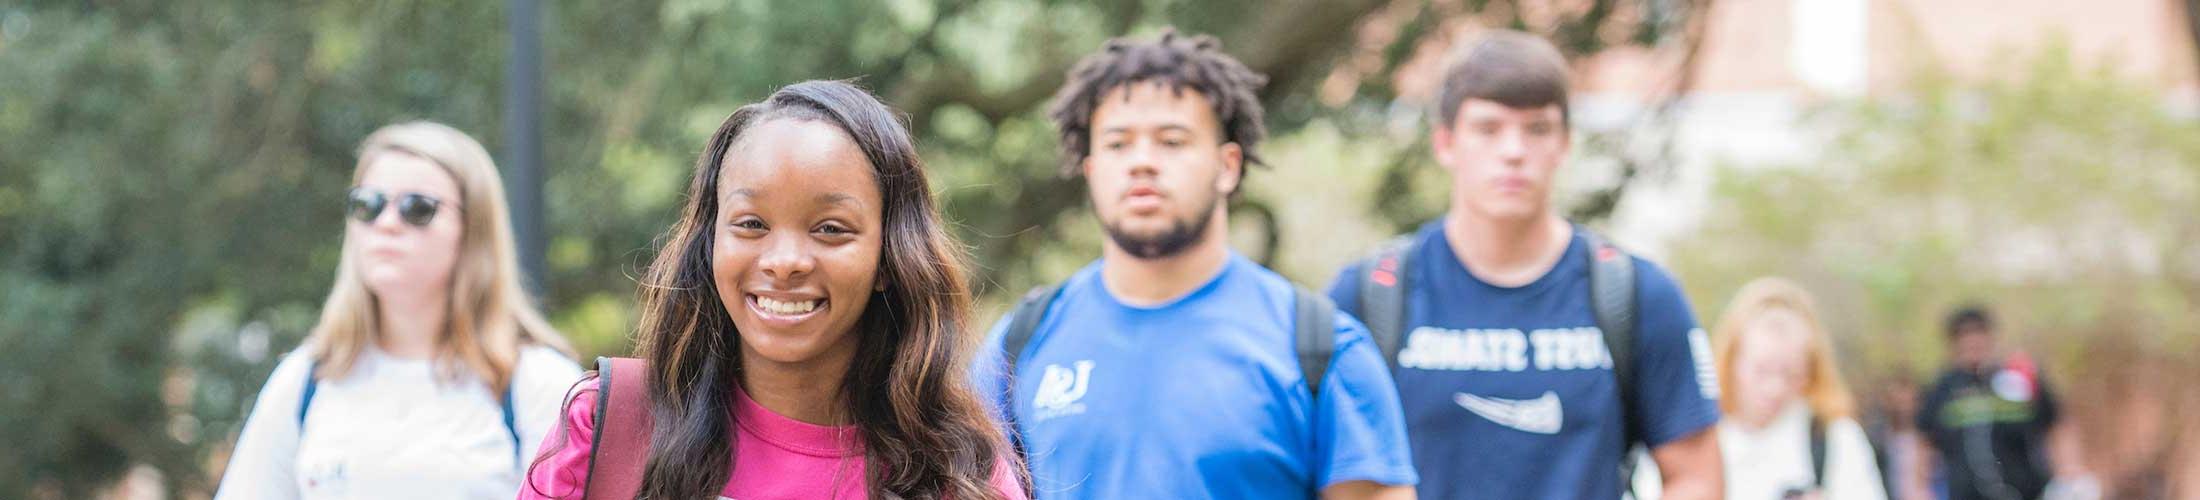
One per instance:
(787, 308)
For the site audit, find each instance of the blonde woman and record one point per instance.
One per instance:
(1789, 427)
(430, 374)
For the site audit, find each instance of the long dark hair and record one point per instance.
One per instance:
(925, 433)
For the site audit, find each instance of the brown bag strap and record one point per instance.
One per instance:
(623, 425)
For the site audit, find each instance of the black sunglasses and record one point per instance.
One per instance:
(365, 204)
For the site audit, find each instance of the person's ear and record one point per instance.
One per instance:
(1233, 169)
(1439, 144)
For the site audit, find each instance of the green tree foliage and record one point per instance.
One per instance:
(170, 172)
(2062, 196)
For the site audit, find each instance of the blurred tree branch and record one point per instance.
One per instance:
(1654, 130)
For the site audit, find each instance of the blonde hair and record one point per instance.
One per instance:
(1823, 389)
(490, 316)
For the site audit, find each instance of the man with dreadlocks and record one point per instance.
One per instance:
(1174, 367)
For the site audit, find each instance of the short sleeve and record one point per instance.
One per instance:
(1852, 470)
(540, 383)
(264, 463)
(1360, 431)
(561, 471)
(1676, 384)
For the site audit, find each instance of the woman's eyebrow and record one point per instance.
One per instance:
(838, 198)
(826, 198)
(740, 192)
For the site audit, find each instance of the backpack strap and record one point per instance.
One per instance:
(504, 405)
(313, 386)
(1612, 297)
(1383, 296)
(511, 430)
(1024, 322)
(305, 399)
(621, 449)
(1612, 300)
(1314, 337)
(1818, 453)
(1315, 329)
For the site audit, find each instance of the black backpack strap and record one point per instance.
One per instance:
(1818, 452)
(1612, 298)
(305, 399)
(1315, 327)
(1383, 296)
(1024, 322)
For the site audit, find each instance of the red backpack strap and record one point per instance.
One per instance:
(623, 425)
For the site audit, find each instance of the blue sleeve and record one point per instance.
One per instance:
(989, 377)
(1345, 290)
(1676, 383)
(1359, 427)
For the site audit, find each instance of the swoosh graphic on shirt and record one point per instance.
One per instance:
(1542, 415)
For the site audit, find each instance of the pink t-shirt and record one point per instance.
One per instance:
(775, 457)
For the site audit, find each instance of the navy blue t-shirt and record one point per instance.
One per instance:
(1201, 397)
(1509, 392)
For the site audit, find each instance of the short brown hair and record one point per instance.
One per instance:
(1515, 69)
(1175, 60)
(1970, 318)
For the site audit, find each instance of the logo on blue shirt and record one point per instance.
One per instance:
(1542, 415)
(1505, 349)
(1060, 389)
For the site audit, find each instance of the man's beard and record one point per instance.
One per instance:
(1181, 234)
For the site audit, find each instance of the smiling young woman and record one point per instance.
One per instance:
(803, 330)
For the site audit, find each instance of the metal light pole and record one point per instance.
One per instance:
(523, 139)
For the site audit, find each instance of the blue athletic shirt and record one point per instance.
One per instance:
(1509, 392)
(1201, 397)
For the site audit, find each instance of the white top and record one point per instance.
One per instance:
(1763, 464)
(1766, 462)
(392, 429)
